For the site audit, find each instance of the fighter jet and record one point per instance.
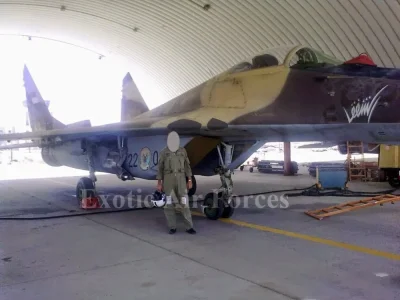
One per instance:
(302, 95)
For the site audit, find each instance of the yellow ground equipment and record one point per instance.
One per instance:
(389, 162)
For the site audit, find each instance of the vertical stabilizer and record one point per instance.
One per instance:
(39, 115)
(132, 103)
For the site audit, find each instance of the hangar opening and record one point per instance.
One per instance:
(93, 91)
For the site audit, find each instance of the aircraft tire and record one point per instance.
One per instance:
(394, 182)
(192, 191)
(229, 210)
(213, 213)
(85, 184)
(251, 169)
(393, 177)
(241, 168)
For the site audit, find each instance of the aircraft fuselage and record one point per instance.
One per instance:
(142, 155)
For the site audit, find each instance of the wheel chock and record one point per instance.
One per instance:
(90, 203)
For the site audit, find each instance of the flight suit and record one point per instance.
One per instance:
(173, 168)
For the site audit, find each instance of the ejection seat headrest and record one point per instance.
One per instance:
(265, 60)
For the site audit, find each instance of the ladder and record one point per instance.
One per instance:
(319, 214)
(356, 169)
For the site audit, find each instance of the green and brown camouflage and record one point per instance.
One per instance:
(307, 96)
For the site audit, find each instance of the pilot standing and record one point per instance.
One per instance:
(173, 168)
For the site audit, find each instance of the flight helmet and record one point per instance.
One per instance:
(158, 199)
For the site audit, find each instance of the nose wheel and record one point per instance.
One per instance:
(215, 207)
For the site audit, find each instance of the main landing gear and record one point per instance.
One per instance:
(220, 203)
(86, 188)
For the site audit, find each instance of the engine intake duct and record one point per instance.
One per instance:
(49, 158)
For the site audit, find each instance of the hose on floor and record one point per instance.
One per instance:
(86, 213)
(315, 192)
(311, 191)
(278, 191)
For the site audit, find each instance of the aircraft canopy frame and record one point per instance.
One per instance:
(307, 55)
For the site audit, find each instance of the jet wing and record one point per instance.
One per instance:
(18, 146)
(78, 133)
(371, 132)
(379, 133)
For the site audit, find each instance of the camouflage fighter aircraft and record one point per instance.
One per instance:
(302, 95)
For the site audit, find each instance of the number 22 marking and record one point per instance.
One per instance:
(133, 157)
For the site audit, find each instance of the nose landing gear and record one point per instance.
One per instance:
(221, 203)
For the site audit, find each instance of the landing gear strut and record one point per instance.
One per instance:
(220, 203)
(122, 174)
(86, 187)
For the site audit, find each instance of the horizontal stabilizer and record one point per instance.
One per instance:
(132, 103)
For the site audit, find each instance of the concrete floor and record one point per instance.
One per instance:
(129, 255)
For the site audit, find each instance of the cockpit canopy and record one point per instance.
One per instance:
(293, 57)
(305, 57)
(267, 58)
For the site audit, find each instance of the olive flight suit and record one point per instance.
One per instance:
(173, 168)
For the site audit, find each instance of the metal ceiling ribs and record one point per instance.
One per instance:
(181, 43)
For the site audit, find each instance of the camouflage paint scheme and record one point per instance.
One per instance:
(306, 97)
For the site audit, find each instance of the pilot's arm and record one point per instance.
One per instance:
(160, 172)
(188, 170)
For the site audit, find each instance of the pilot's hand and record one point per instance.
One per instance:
(189, 185)
(159, 187)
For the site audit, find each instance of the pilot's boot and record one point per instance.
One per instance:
(186, 213)
(184, 203)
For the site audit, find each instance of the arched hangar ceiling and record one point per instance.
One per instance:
(181, 43)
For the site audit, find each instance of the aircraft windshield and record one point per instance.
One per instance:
(266, 58)
(302, 58)
(310, 58)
